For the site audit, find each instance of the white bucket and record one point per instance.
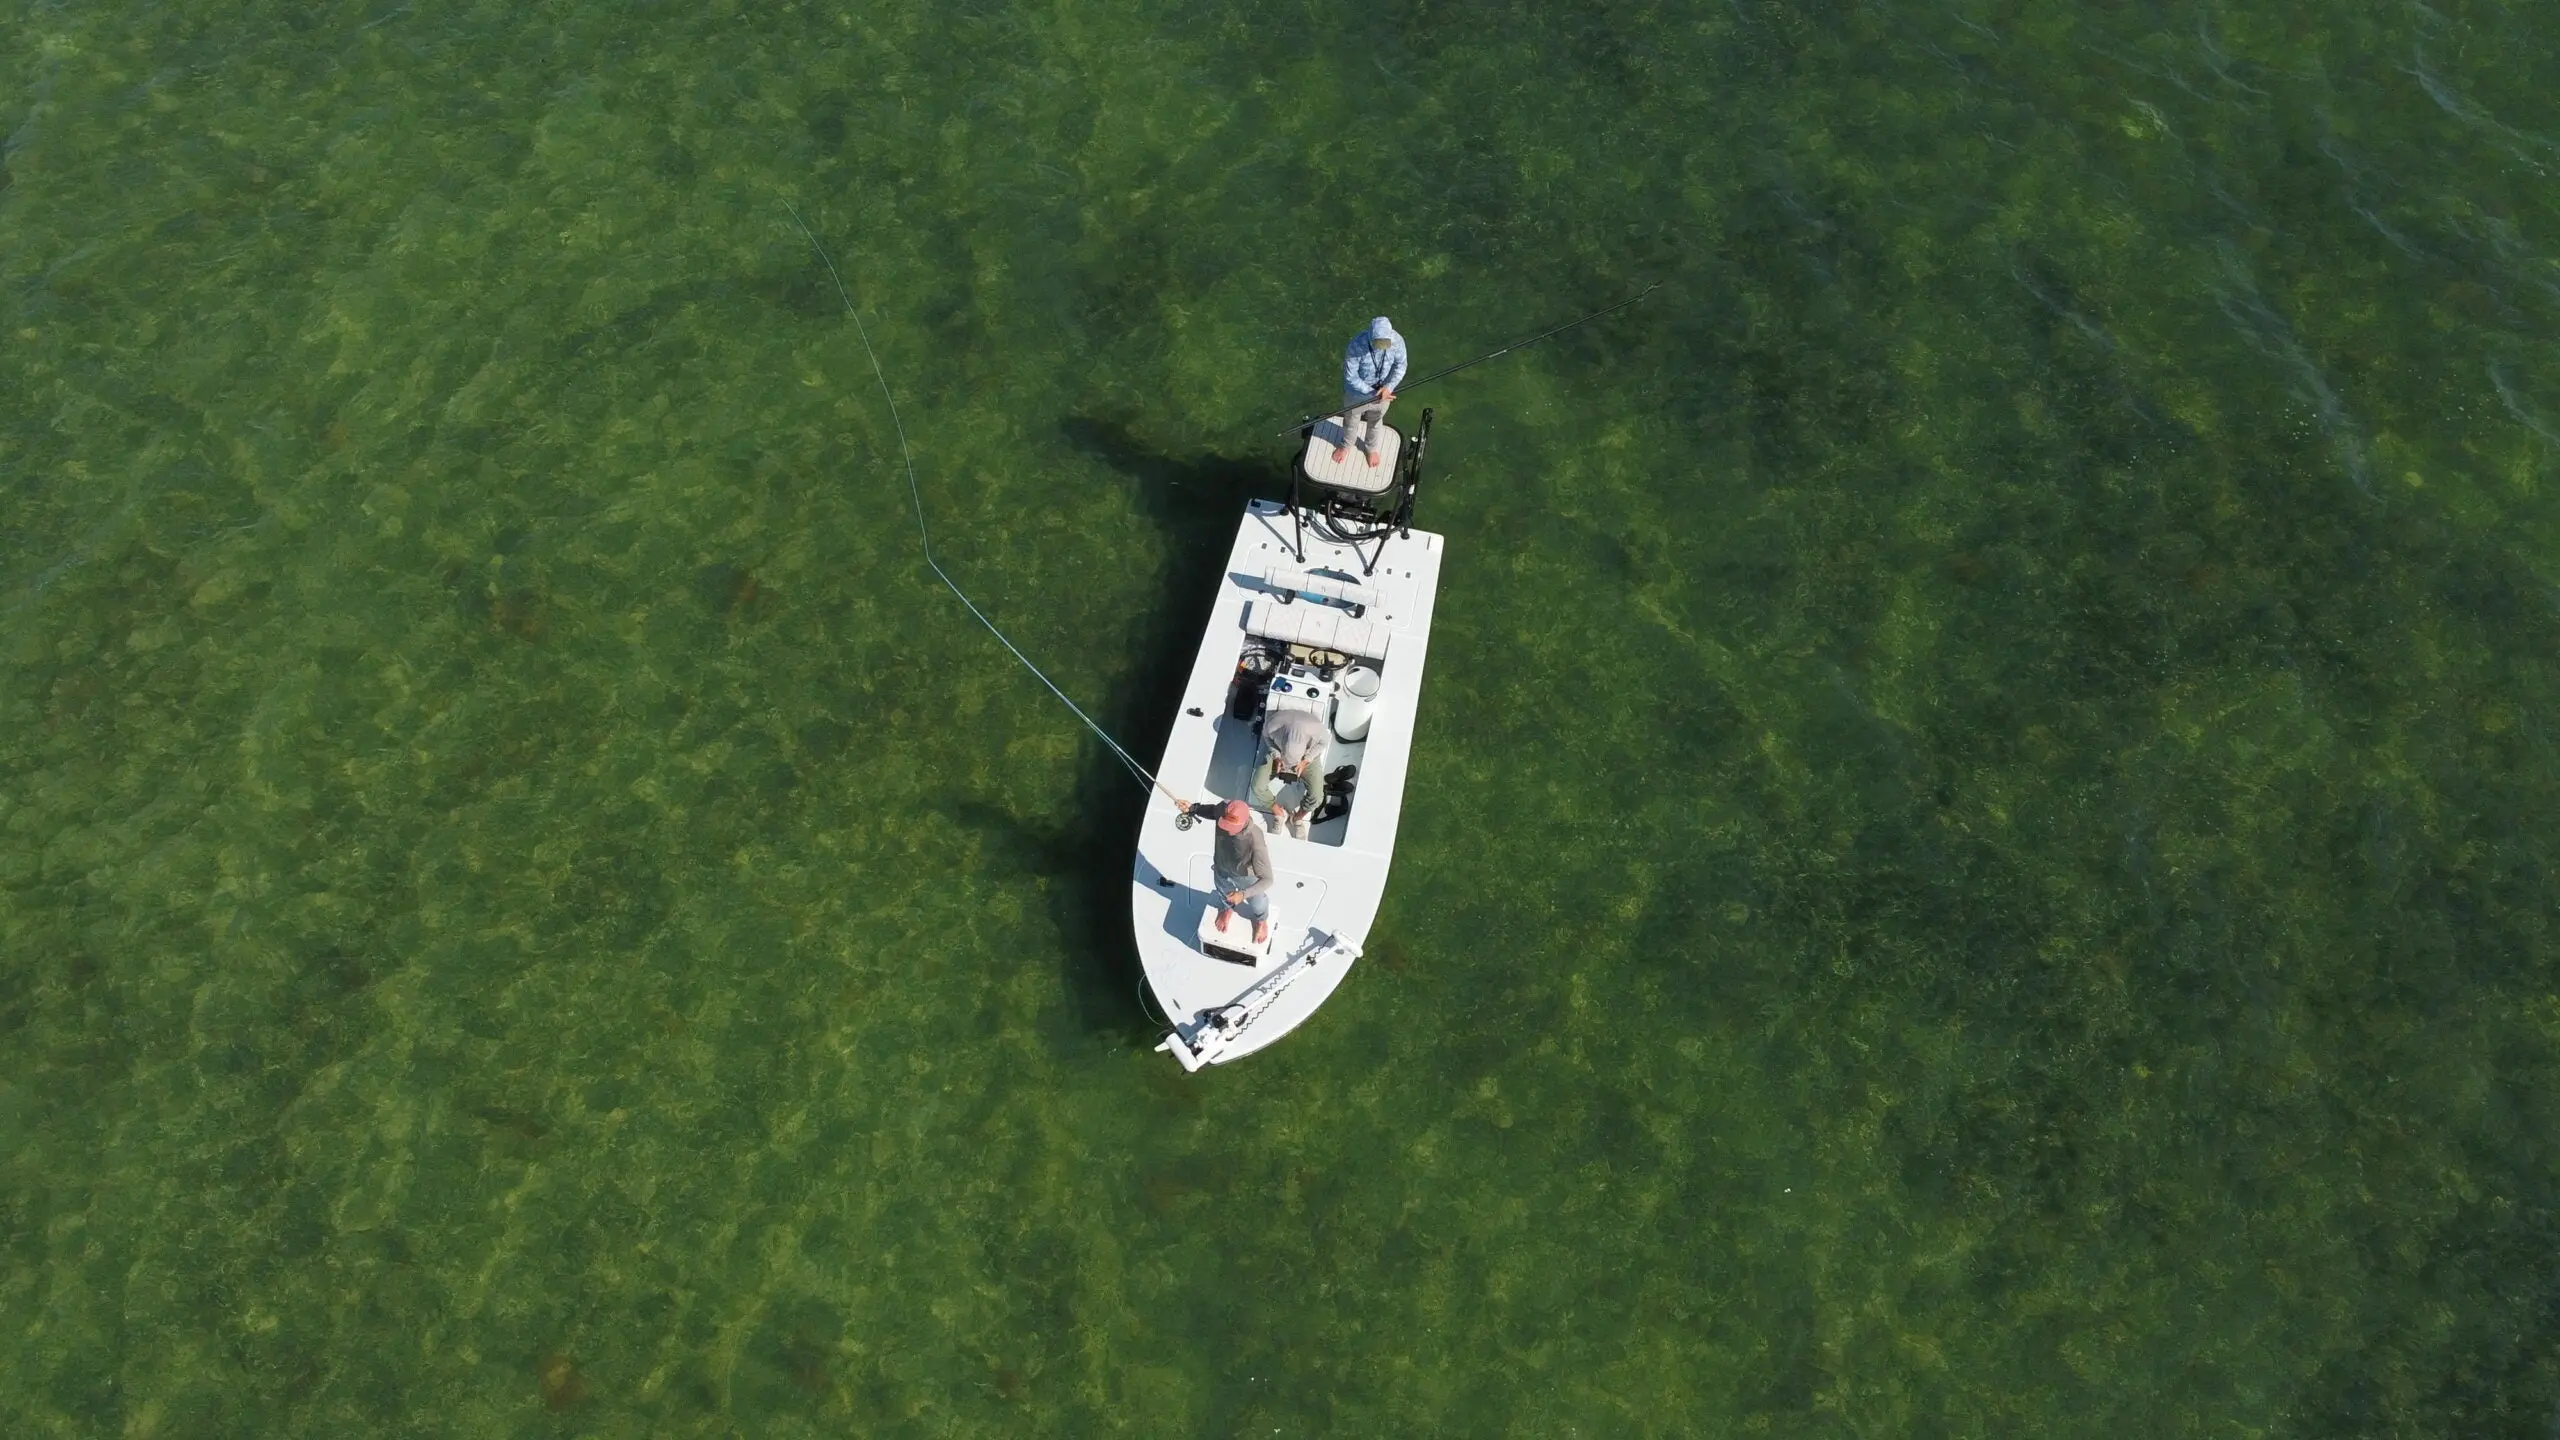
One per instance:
(1355, 694)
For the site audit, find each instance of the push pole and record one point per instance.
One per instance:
(1448, 370)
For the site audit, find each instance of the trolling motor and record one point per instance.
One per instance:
(1351, 502)
(1215, 1027)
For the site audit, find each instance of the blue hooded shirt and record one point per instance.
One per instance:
(1367, 370)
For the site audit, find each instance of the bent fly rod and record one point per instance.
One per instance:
(1447, 370)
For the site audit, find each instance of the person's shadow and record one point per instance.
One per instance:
(1197, 502)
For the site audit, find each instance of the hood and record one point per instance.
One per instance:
(1379, 329)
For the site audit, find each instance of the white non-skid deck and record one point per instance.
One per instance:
(1352, 472)
(1329, 885)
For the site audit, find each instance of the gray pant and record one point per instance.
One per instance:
(1256, 907)
(1361, 417)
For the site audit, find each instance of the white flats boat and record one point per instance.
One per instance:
(1325, 606)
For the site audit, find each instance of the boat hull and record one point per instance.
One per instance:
(1329, 886)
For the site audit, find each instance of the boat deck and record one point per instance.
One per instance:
(1330, 884)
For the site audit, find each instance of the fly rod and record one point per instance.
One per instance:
(1446, 370)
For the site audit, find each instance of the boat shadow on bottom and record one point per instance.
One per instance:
(1193, 502)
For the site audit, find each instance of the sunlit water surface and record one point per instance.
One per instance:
(1979, 861)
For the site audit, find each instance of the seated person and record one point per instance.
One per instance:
(1241, 864)
(1293, 744)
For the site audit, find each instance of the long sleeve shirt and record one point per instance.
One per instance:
(1366, 369)
(1295, 738)
(1242, 861)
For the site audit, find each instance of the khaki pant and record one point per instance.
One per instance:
(1268, 778)
(1361, 418)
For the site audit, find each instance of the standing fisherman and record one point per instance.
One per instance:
(1240, 863)
(1373, 365)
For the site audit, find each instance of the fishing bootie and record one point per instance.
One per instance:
(1298, 826)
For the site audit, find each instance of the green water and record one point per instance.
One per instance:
(1980, 855)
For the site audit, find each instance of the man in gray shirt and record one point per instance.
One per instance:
(1241, 863)
(1293, 744)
